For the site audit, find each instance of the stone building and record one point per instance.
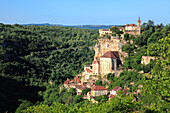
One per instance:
(131, 29)
(98, 90)
(108, 58)
(115, 90)
(109, 62)
(104, 31)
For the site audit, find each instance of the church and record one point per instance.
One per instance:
(108, 57)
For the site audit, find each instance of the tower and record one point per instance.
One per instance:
(138, 26)
(139, 23)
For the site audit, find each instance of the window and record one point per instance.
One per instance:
(112, 64)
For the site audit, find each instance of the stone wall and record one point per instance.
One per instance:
(146, 59)
(110, 45)
(106, 65)
(98, 93)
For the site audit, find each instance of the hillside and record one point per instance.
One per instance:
(36, 60)
(34, 55)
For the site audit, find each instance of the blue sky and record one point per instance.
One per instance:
(84, 12)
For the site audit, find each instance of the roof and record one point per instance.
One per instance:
(111, 54)
(125, 91)
(130, 24)
(121, 27)
(88, 70)
(72, 80)
(67, 82)
(99, 88)
(117, 88)
(77, 79)
(80, 87)
(111, 96)
(105, 29)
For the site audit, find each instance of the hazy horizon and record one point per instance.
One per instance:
(89, 12)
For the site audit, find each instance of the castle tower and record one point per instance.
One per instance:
(138, 26)
(139, 23)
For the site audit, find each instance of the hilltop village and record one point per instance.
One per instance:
(108, 58)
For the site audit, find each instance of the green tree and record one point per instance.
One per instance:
(85, 91)
(101, 98)
(72, 91)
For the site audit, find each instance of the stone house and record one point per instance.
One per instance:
(87, 73)
(98, 90)
(115, 90)
(79, 89)
(66, 83)
(104, 31)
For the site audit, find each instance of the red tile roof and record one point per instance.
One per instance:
(111, 54)
(130, 24)
(99, 88)
(72, 80)
(111, 96)
(117, 88)
(67, 82)
(88, 70)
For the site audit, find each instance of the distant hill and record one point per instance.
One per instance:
(95, 27)
(43, 24)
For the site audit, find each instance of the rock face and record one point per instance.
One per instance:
(146, 59)
(108, 56)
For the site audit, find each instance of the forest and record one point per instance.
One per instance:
(32, 56)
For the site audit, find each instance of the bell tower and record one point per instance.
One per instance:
(139, 23)
(138, 26)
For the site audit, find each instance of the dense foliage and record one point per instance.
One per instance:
(154, 41)
(117, 104)
(31, 56)
(124, 80)
(34, 55)
(144, 44)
